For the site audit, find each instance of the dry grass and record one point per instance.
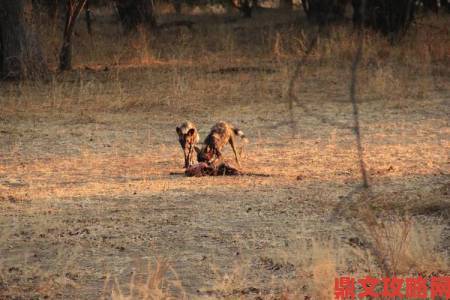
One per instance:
(153, 287)
(88, 201)
(405, 246)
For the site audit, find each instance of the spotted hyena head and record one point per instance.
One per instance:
(186, 137)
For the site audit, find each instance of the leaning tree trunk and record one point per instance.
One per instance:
(74, 8)
(20, 52)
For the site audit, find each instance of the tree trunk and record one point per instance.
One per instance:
(74, 8)
(446, 5)
(357, 12)
(20, 52)
(133, 13)
(177, 6)
(340, 7)
(87, 14)
(244, 6)
(431, 6)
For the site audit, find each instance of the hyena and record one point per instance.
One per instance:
(221, 134)
(188, 137)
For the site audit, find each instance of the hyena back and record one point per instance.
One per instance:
(220, 134)
(188, 137)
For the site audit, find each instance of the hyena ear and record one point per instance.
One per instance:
(178, 130)
(191, 132)
(197, 149)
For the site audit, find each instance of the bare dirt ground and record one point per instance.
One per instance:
(89, 197)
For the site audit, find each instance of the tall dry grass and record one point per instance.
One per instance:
(410, 248)
(155, 286)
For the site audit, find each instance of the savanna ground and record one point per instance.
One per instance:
(93, 204)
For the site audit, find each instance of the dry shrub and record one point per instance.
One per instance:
(315, 264)
(407, 247)
(140, 44)
(323, 267)
(383, 84)
(337, 47)
(164, 8)
(232, 282)
(155, 287)
(423, 251)
(60, 279)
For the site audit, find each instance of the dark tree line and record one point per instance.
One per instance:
(387, 16)
(434, 5)
(20, 51)
(324, 11)
(131, 13)
(21, 56)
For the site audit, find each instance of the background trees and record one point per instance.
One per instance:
(324, 11)
(20, 50)
(21, 55)
(133, 13)
(389, 17)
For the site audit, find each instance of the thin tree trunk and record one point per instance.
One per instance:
(177, 6)
(244, 6)
(87, 14)
(73, 10)
(20, 52)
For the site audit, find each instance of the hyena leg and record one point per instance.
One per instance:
(191, 156)
(217, 156)
(234, 151)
